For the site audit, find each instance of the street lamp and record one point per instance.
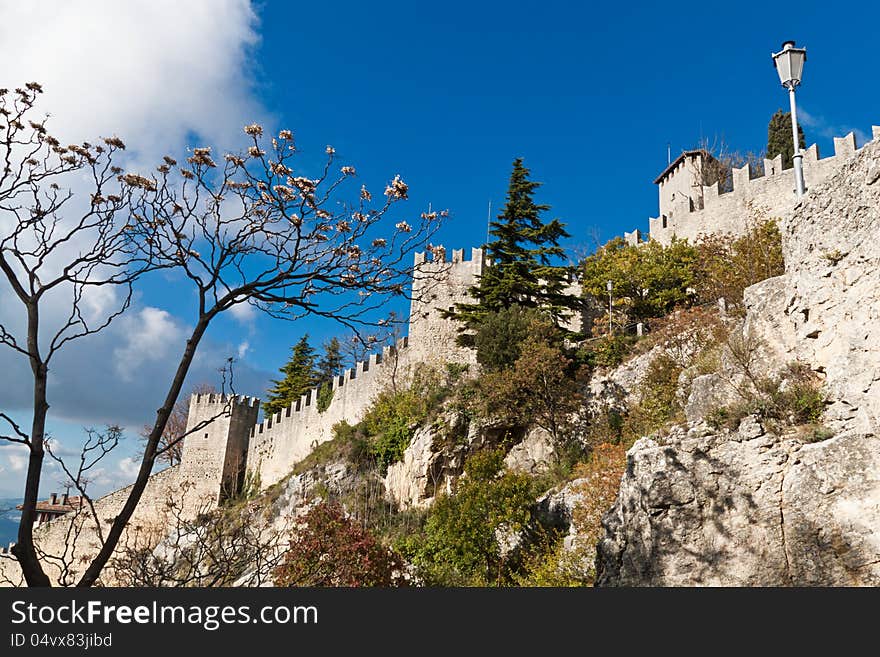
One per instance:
(608, 287)
(789, 63)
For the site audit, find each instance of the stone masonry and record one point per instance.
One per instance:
(688, 209)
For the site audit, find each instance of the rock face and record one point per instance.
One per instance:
(745, 508)
(753, 508)
(825, 310)
(533, 454)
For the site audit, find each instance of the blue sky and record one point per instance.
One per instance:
(445, 94)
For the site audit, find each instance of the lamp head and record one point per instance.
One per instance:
(789, 63)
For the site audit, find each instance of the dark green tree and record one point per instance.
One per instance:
(299, 377)
(523, 253)
(329, 366)
(779, 138)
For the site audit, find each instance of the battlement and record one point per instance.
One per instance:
(689, 209)
(214, 398)
(438, 258)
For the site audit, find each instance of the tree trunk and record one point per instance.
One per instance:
(121, 521)
(24, 550)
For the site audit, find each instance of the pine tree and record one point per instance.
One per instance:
(779, 138)
(522, 254)
(299, 377)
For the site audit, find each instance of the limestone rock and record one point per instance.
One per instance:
(746, 510)
(532, 455)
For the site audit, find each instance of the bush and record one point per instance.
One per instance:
(327, 548)
(607, 351)
(791, 398)
(499, 337)
(391, 421)
(325, 396)
(727, 265)
(540, 389)
(463, 539)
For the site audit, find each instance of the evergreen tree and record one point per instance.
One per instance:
(330, 364)
(779, 138)
(522, 254)
(299, 377)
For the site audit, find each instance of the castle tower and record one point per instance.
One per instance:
(680, 185)
(214, 455)
(437, 286)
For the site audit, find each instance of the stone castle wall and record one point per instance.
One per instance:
(772, 193)
(69, 542)
(287, 437)
(214, 455)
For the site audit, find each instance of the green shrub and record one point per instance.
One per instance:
(462, 540)
(499, 338)
(792, 398)
(607, 351)
(325, 396)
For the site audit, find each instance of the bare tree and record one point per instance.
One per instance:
(253, 231)
(52, 245)
(216, 547)
(722, 160)
(249, 231)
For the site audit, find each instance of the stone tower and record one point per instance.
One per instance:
(437, 286)
(214, 456)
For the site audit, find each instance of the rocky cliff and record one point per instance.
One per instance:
(748, 506)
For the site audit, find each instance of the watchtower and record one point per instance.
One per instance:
(215, 453)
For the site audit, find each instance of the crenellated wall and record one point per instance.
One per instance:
(285, 438)
(773, 192)
(214, 455)
(437, 287)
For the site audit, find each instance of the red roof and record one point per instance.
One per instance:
(73, 503)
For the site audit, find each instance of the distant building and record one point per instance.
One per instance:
(54, 507)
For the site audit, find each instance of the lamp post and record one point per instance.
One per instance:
(608, 287)
(789, 63)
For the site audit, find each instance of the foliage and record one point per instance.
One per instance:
(791, 398)
(299, 378)
(463, 539)
(539, 389)
(327, 548)
(602, 473)
(391, 421)
(727, 265)
(647, 280)
(500, 334)
(330, 364)
(325, 397)
(779, 138)
(607, 350)
(522, 254)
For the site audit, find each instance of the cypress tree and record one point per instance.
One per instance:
(299, 377)
(522, 253)
(330, 364)
(779, 138)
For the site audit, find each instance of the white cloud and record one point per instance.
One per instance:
(129, 468)
(151, 71)
(244, 313)
(149, 335)
(13, 457)
(243, 348)
(163, 75)
(820, 126)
